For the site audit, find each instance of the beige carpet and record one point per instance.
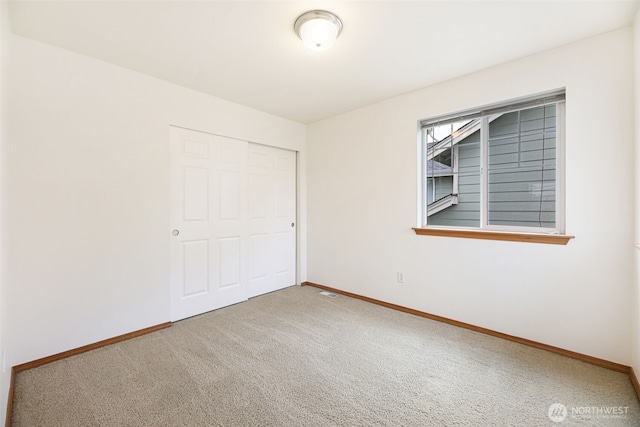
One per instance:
(297, 358)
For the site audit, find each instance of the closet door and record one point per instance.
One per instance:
(208, 249)
(272, 219)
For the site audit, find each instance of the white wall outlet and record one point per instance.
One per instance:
(400, 277)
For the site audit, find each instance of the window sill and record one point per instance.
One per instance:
(553, 239)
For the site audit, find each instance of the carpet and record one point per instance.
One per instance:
(298, 358)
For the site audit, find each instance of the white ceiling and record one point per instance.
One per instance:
(247, 52)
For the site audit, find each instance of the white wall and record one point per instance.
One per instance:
(4, 333)
(362, 186)
(89, 193)
(635, 340)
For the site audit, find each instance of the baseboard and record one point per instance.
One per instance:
(7, 418)
(45, 360)
(572, 354)
(89, 347)
(634, 381)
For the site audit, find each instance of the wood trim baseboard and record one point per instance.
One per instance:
(634, 381)
(45, 360)
(557, 350)
(89, 347)
(12, 380)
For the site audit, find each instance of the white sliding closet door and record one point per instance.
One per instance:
(272, 213)
(232, 210)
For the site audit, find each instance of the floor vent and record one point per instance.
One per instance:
(328, 294)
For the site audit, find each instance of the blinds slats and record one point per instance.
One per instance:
(505, 107)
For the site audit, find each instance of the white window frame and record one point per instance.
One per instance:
(501, 107)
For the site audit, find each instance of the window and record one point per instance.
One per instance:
(498, 168)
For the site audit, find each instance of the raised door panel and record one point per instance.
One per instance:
(230, 262)
(195, 194)
(195, 268)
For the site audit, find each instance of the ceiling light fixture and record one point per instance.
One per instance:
(318, 29)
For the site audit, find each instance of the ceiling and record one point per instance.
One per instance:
(247, 52)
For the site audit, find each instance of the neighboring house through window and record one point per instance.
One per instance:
(496, 168)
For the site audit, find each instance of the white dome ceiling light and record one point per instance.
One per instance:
(318, 29)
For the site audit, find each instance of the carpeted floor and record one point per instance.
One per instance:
(297, 358)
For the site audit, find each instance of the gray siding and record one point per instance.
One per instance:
(522, 168)
(521, 173)
(467, 212)
(443, 187)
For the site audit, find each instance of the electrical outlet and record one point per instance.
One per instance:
(400, 277)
